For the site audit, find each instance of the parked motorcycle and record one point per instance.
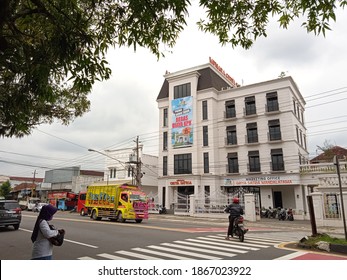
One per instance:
(239, 230)
(162, 209)
(272, 213)
(290, 214)
(264, 212)
(282, 214)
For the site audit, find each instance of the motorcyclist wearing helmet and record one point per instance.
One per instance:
(235, 210)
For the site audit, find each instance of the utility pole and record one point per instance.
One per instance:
(34, 184)
(336, 162)
(138, 164)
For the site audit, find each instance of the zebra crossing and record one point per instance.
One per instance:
(210, 247)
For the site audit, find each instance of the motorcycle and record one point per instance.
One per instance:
(290, 215)
(282, 214)
(264, 213)
(162, 209)
(239, 230)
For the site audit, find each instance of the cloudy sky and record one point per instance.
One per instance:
(125, 106)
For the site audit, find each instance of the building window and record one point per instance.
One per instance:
(207, 194)
(274, 130)
(297, 134)
(164, 165)
(165, 141)
(277, 160)
(272, 102)
(252, 133)
(233, 163)
(206, 163)
(205, 135)
(183, 164)
(182, 91)
(230, 111)
(301, 142)
(113, 172)
(294, 106)
(204, 110)
(165, 117)
(231, 135)
(254, 161)
(250, 106)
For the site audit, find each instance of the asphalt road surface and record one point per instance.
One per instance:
(160, 237)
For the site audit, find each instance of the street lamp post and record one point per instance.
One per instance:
(336, 162)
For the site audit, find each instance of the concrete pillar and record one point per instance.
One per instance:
(192, 205)
(344, 197)
(317, 199)
(250, 214)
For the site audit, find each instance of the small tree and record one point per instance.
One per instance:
(5, 189)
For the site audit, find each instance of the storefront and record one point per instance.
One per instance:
(62, 200)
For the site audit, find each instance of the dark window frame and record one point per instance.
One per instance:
(231, 135)
(254, 161)
(183, 90)
(277, 160)
(230, 110)
(205, 135)
(233, 163)
(165, 117)
(204, 110)
(252, 133)
(206, 163)
(183, 164)
(272, 102)
(164, 165)
(165, 140)
(250, 106)
(274, 130)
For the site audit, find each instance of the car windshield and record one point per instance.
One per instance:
(8, 205)
(138, 197)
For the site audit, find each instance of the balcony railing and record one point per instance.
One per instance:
(327, 167)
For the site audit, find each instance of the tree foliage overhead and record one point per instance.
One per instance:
(53, 51)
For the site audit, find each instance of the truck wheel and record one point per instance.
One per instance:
(138, 221)
(120, 217)
(82, 213)
(16, 226)
(94, 216)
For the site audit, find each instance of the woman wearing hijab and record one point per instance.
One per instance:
(42, 247)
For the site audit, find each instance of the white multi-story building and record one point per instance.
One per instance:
(121, 167)
(218, 138)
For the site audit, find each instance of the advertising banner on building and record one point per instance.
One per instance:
(182, 122)
(262, 180)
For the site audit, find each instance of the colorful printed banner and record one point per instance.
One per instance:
(182, 122)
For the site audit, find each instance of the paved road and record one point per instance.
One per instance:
(162, 237)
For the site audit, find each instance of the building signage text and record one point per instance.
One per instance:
(264, 180)
(221, 70)
(181, 182)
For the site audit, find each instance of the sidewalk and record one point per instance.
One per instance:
(222, 220)
(272, 224)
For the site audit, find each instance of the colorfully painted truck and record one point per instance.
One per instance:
(116, 202)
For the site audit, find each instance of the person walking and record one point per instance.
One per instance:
(235, 210)
(42, 246)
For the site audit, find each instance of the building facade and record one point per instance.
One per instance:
(218, 138)
(126, 165)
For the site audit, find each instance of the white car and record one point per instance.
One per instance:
(37, 208)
